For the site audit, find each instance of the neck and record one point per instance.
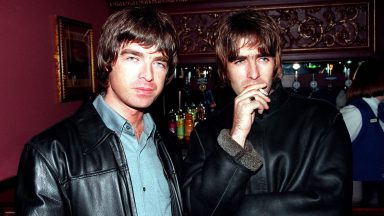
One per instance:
(138, 129)
(136, 119)
(134, 116)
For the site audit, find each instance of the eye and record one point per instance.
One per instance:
(239, 61)
(161, 64)
(264, 59)
(132, 58)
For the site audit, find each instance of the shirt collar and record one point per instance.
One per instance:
(149, 125)
(116, 122)
(110, 117)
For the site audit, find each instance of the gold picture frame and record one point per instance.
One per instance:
(74, 58)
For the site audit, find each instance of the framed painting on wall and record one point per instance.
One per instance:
(74, 57)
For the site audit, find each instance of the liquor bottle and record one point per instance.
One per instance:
(193, 110)
(188, 126)
(180, 125)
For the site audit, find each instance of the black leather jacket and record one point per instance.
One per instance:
(78, 167)
(306, 154)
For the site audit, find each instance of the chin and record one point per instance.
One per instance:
(140, 107)
(143, 104)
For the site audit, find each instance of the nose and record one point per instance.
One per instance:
(253, 71)
(147, 72)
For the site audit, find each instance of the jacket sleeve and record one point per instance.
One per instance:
(325, 191)
(38, 190)
(216, 174)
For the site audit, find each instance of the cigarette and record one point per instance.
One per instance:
(263, 92)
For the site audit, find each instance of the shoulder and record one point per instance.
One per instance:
(349, 110)
(315, 113)
(55, 131)
(54, 137)
(313, 105)
(65, 133)
(367, 107)
(351, 115)
(49, 149)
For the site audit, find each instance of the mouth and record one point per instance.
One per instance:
(144, 90)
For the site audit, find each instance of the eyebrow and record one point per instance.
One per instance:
(130, 51)
(140, 54)
(247, 56)
(161, 58)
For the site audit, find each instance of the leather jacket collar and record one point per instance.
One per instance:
(87, 117)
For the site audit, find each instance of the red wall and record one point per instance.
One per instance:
(28, 96)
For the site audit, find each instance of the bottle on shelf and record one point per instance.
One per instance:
(193, 110)
(180, 125)
(188, 127)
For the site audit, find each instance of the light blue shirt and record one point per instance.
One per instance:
(150, 186)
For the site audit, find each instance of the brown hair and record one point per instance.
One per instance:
(368, 81)
(140, 25)
(257, 29)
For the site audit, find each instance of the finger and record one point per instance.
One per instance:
(255, 92)
(258, 105)
(252, 88)
(263, 92)
(261, 101)
(253, 95)
(264, 102)
(255, 87)
(252, 100)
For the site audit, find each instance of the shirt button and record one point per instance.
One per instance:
(127, 126)
(144, 189)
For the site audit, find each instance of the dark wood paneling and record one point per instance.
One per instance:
(311, 30)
